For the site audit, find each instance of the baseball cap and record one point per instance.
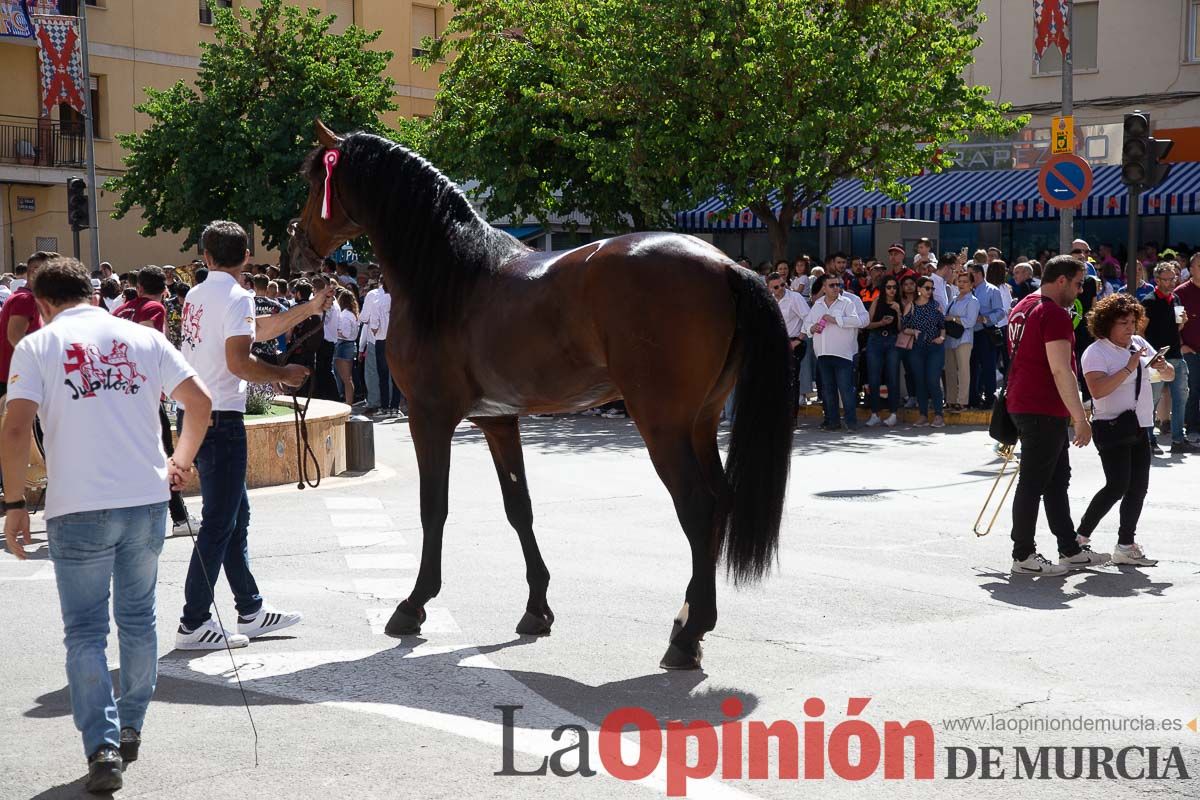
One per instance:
(897, 246)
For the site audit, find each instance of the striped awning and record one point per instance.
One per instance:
(964, 196)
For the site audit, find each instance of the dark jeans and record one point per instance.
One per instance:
(221, 540)
(926, 362)
(389, 394)
(178, 509)
(1127, 478)
(883, 368)
(326, 386)
(837, 378)
(983, 367)
(797, 356)
(1192, 413)
(1044, 478)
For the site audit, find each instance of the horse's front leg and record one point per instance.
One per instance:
(431, 435)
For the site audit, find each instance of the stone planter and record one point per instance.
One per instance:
(271, 445)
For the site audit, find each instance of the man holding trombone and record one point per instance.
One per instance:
(1042, 397)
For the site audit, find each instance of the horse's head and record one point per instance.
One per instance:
(324, 223)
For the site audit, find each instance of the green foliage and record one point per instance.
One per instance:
(616, 107)
(230, 146)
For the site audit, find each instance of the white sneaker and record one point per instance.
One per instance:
(266, 620)
(1036, 564)
(190, 525)
(209, 636)
(890, 421)
(1133, 554)
(873, 421)
(1084, 559)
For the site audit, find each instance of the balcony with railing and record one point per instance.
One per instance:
(41, 142)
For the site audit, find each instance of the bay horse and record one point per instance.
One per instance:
(483, 328)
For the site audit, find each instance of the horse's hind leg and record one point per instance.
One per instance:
(675, 460)
(504, 439)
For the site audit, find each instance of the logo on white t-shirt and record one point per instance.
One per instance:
(189, 325)
(97, 371)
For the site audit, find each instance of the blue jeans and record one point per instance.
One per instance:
(1192, 409)
(983, 367)
(89, 549)
(371, 376)
(345, 350)
(927, 361)
(837, 378)
(224, 527)
(1179, 397)
(389, 393)
(883, 367)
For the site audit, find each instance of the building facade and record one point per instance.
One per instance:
(135, 44)
(1127, 56)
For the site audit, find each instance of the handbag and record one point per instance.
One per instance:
(954, 330)
(1124, 429)
(905, 340)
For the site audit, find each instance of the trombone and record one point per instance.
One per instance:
(1007, 452)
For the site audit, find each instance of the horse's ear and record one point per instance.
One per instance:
(326, 137)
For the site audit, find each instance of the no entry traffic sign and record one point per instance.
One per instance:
(1065, 181)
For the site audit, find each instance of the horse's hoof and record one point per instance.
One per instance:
(403, 622)
(535, 625)
(678, 658)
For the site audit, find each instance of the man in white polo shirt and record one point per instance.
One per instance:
(217, 330)
(95, 381)
(834, 322)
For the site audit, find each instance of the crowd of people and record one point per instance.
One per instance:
(932, 332)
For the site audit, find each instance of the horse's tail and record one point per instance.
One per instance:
(760, 446)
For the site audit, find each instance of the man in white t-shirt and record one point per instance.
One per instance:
(218, 329)
(794, 310)
(366, 348)
(95, 381)
(833, 323)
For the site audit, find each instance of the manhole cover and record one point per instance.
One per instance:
(854, 494)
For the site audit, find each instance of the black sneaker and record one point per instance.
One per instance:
(1183, 447)
(131, 740)
(104, 770)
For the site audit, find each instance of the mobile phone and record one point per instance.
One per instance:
(1162, 353)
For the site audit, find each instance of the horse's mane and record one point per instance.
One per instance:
(432, 244)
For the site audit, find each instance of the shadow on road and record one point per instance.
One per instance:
(1052, 594)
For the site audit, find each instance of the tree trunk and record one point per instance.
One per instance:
(778, 227)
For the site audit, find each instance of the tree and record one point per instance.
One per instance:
(230, 147)
(758, 101)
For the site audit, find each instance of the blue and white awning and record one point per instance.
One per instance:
(964, 196)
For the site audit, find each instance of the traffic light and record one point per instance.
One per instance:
(77, 204)
(1142, 154)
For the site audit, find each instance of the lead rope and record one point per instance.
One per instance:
(225, 638)
(304, 451)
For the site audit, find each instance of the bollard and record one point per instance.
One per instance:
(360, 444)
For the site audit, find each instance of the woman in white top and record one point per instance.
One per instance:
(346, 349)
(1117, 369)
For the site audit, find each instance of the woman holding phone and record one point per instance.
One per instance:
(1117, 369)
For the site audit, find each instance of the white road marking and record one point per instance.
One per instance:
(344, 520)
(370, 538)
(353, 503)
(438, 620)
(381, 561)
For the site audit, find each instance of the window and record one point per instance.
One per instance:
(1193, 31)
(424, 23)
(71, 120)
(206, 17)
(70, 8)
(1086, 30)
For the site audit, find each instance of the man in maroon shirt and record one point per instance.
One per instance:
(1188, 294)
(147, 308)
(19, 317)
(1042, 395)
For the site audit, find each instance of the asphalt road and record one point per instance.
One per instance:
(882, 592)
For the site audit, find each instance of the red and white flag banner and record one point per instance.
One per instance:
(1050, 26)
(60, 61)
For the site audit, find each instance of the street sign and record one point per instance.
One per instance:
(1065, 181)
(26, 203)
(1062, 135)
